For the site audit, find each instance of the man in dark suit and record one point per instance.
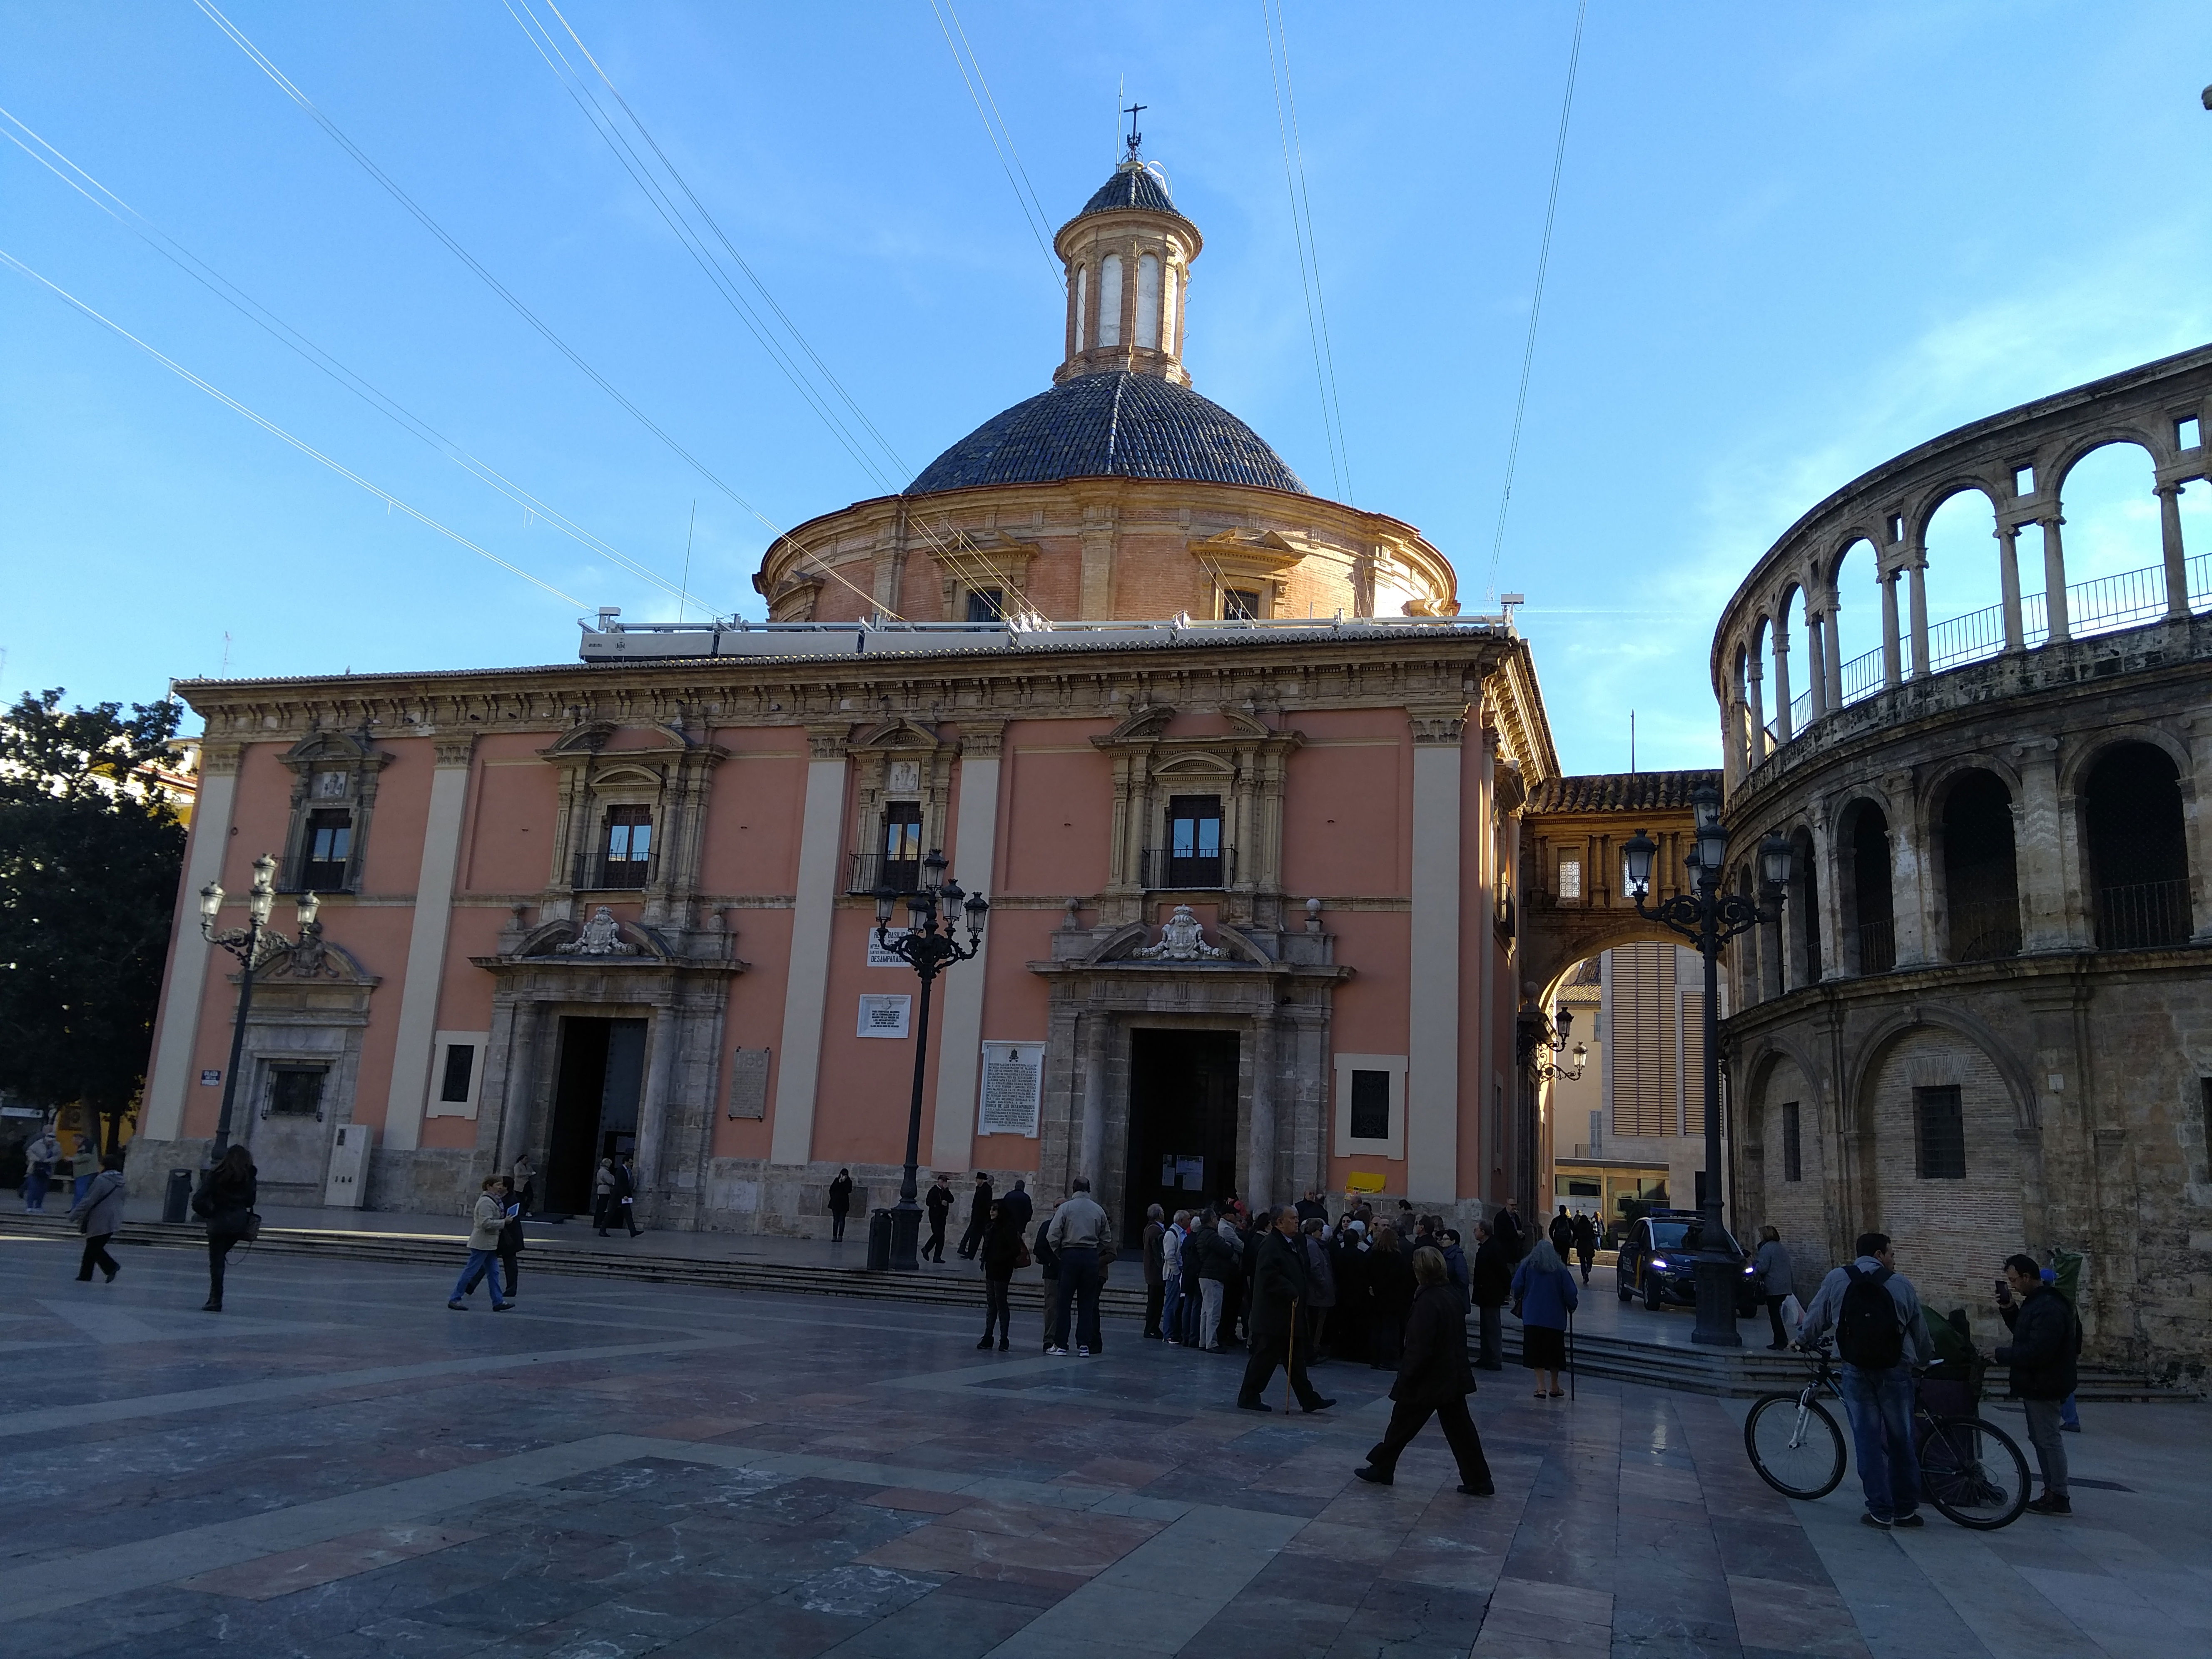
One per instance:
(1018, 1207)
(1492, 1286)
(1433, 1380)
(1279, 1285)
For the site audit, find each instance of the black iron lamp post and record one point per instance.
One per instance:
(1709, 918)
(255, 945)
(1563, 1019)
(931, 945)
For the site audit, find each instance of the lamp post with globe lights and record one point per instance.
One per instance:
(930, 945)
(1709, 918)
(255, 945)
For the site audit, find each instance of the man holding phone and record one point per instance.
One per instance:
(2046, 1339)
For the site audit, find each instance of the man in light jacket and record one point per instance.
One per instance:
(1876, 1382)
(490, 1218)
(1080, 1236)
(99, 1212)
(38, 1160)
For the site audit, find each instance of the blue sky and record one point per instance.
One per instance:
(1791, 241)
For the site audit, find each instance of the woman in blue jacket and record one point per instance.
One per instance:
(1544, 1294)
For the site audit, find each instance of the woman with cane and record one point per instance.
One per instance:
(1544, 1295)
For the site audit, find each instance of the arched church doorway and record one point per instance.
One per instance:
(1182, 1122)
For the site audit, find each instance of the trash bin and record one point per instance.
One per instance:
(177, 1201)
(879, 1241)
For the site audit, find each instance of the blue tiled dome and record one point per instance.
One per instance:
(1112, 425)
(1131, 187)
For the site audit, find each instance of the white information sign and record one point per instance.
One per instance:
(1013, 1085)
(885, 1016)
(880, 958)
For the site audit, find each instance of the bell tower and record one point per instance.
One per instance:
(1127, 255)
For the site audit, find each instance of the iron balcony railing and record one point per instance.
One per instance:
(1877, 946)
(2141, 915)
(2099, 605)
(1165, 869)
(873, 870)
(1985, 930)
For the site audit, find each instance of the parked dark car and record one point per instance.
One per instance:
(1658, 1262)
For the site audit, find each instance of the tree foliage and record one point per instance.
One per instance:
(90, 861)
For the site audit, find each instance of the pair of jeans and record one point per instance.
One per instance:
(34, 1191)
(96, 1255)
(1078, 1283)
(2044, 1434)
(1170, 1319)
(1209, 1314)
(997, 1312)
(480, 1263)
(1879, 1407)
(1493, 1322)
(1451, 1414)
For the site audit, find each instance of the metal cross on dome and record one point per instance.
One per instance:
(1135, 136)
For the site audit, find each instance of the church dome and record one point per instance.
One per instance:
(1131, 187)
(1116, 424)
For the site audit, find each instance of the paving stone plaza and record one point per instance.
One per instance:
(338, 1466)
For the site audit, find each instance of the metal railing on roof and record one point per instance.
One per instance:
(2102, 605)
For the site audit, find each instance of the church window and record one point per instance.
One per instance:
(1109, 301)
(460, 1065)
(330, 840)
(1940, 1132)
(1240, 605)
(1371, 1105)
(295, 1091)
(903, 846)
(987, 605)
(629, 846)
(1148, 301)
(1194, 841)
(1170, 294)
(1571, 878)
(1793, 1164)
(1082, 314)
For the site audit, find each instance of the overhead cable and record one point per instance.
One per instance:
(270, 427)
(284, 84)
(995, 130)
(1302, 231)
(255, 312)
(1536, 304)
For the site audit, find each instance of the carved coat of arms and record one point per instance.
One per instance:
(1182, 940)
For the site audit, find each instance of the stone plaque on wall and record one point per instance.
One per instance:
(749, 1083)
(885, 1016)
(1013, 1084)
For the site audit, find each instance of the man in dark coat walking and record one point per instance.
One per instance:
(1155, 1231)
(1279, 1287)
(1433, 1379)
(939, 1203)
(1492, 1288)
(841, 1204)
(624, 1208)
(978, 1216)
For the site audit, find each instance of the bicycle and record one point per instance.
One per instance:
(1970, 1469)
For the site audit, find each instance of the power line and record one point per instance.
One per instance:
(962, 560)
(284, 84)
(1332, 411)
(1033, 213)
(255, 312)
(223, 397)
(1536, 304)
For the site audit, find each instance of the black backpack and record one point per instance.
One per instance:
(1869, 1334)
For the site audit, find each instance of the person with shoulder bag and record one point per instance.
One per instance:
(225, 1201)
(99, 1213)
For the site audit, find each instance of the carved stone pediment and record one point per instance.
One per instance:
(603, 938)
(317, 960)
(1183, 939)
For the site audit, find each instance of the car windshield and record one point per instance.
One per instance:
(1668, 1235)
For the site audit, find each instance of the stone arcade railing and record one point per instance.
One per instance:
(2102, 605)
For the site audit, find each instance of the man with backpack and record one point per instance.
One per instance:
(1875, 1313)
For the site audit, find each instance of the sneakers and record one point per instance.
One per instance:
(1061, 1354)
(1870, 1519)
(1914, 1519)
(1373, 1476)
(2048, 1504)
(1081, 1353)
(1479, 1492)
(459, 1306)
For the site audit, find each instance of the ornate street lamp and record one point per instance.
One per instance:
(1557, 1042)
(255, 945)
(1709, 918)
(931, 945)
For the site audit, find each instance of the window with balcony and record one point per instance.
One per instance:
(329, 847)
(628, 847)
(1194, 852)
(902, 847)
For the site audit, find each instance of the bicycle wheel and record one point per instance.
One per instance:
(1972, 1472)
(1794, 1445)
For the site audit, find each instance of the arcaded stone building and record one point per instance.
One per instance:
(1986, 1021)
(1239, 780)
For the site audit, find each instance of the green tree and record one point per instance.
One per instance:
(90, 861)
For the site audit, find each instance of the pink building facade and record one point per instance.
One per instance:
(627, 905)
